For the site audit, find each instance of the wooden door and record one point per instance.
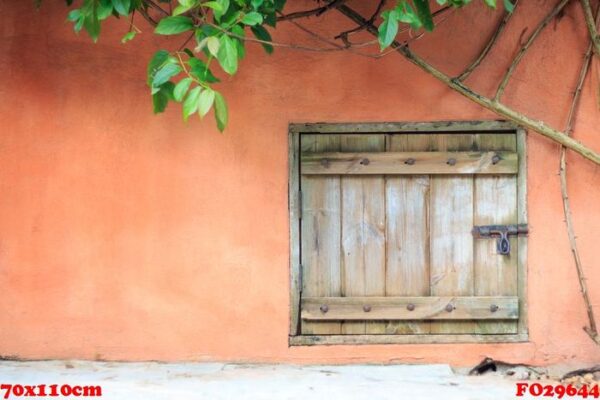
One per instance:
(386, 243)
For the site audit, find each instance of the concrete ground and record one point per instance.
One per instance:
(150, 381)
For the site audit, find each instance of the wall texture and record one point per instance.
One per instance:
(128, 236)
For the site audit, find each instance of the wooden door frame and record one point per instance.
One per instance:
(295, 132)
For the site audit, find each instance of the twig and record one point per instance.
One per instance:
(489, 45)
(344, 35)
(558, 8)
(308, 13)
(156, 7)
(591, 330)
(498, 108)
(591, 25)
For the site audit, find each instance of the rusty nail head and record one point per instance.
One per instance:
(325, 163)
(494, 308)
(324, 308)
(451, 161)
(410, 161)
(366, 308)
(496, 159)
(449, 308)
(410, 307)
(365, 161)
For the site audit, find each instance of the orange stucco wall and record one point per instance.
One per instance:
(129, 236)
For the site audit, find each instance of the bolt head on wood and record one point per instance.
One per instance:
(496, 159)
(324, 308)
(410, 161)
(451, 161)
(325, 163)
(494, 308)
(365, 161)
(449, 308)
(410, 307)
(366, 308)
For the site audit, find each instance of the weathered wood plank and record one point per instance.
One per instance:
(410, 308)
(293, 202)
(410, 163)
(522, 240)
(363, 232)
(407, 232)
(391, 127)
(451, 239)
(495, 204)
(321, 224)
(403, 339)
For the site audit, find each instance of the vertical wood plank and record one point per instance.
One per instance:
(451, 243)
(363, 232)
(495, 204)
(320, 233)
(293, 201)
(522, 240)
(407, 233)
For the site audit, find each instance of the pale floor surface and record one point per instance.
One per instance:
(153, 381)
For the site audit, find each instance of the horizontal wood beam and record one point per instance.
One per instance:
(409, 308)
(359, 339)
(410, 163)
(395, 127)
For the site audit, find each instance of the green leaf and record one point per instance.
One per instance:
(205, 102)
(407, 15)
(221, 113)
(181, 89)
(128, 36)
(91, 24)
(490, 3)
(257, 3)
(174, 25)
(388, 28)
(190, 105)
(216, 6)
(165, 73)
(161, 98)
(122, 6)
(224, 8)
(74, 15)
(200, 71)
(213, 45)
(228, 56)
(510, 7)
(105, 9)
(157, 61)
(252, 18)
(261, 33)
(424, 13)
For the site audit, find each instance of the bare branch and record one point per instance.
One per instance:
(592, 329)
(591, 25)
(511, 69)
(489, 44)
(308, 13)
(344, 35)
(498, 108)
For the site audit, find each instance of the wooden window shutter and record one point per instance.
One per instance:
(385, 234)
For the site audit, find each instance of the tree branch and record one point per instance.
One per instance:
(495, 106)
(489, 44)
(592, 329)
(308, 13)
(591, 25)
(511, 69)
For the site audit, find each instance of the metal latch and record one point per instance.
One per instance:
(502, 232)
